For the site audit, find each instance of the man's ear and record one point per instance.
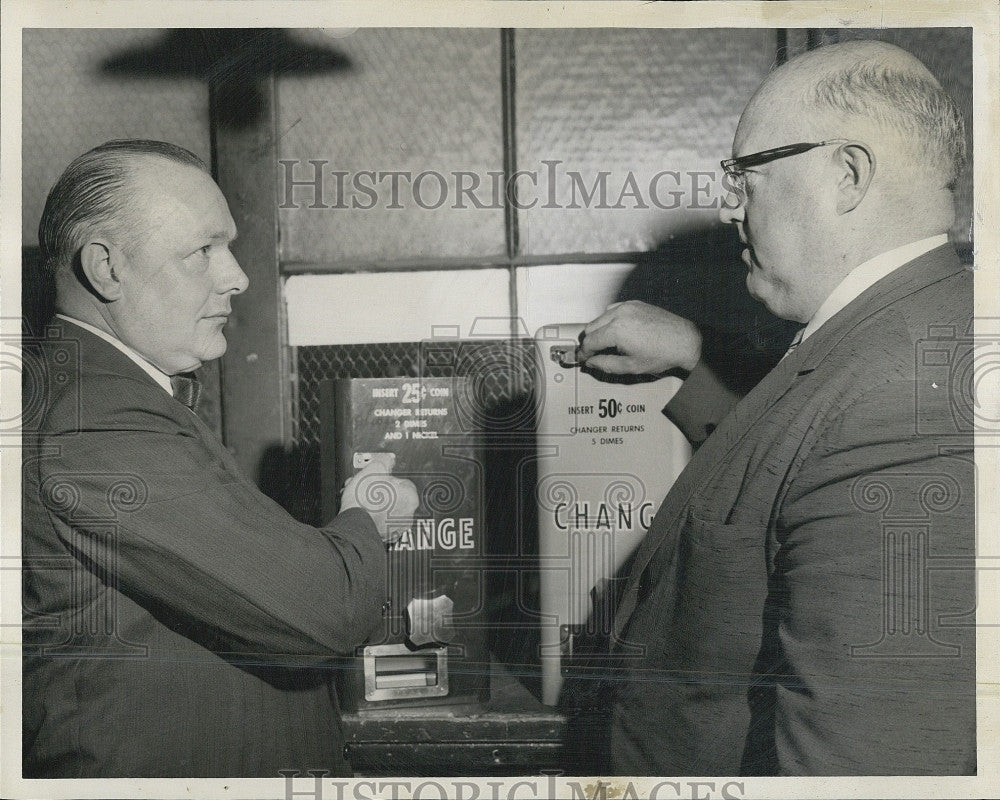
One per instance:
(857, 163)
(98, 262)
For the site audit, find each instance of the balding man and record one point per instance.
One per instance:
(177, 621)
(804, 600)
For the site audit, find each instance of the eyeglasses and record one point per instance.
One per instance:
(735, 168)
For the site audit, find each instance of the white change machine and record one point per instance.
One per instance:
(607, 456)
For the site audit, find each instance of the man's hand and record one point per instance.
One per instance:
(635, 338)
(391, 502)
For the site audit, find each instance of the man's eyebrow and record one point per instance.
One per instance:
(220, 236)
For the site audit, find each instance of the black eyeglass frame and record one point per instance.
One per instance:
(736, 165)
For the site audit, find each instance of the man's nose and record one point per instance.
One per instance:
(232, 278)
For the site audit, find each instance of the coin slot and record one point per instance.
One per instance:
(410, 671)
(395, 672)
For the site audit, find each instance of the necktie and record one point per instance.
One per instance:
(186, 389)
(796, 341)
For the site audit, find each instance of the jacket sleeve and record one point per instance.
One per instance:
(701, 403)
(874, 594)
(144, 502)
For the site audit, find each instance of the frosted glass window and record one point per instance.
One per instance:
(420, 102)
(653, 111)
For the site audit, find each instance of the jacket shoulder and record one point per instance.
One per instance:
(65, 391)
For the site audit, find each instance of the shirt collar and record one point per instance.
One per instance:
(157, 375)
(867, 274)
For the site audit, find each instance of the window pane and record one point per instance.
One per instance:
(351, 309)
(652, 110)
(415, 101)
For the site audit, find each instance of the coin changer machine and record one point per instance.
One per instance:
(606, 456)
(431, 647)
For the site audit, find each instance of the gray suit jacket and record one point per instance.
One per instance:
(177, 621)
(804, 600)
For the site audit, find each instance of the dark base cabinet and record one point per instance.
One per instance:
(511, 734)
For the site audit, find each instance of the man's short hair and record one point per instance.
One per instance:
(912, 104)
(94, 191)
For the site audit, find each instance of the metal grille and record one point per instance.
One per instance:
(502, 383)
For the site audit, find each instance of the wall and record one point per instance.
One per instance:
(71, 103)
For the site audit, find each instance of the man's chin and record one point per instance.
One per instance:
(758, 290)
(214, 349)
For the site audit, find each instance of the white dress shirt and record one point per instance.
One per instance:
(865, 275)
(157, 375)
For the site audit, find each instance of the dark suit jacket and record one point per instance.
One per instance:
(177, 621)
(804, 600)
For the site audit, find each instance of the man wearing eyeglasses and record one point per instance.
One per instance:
(804, 601)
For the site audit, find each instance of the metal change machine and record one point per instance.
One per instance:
(431, 648)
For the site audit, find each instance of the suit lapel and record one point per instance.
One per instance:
(923, 271)
(666, 525)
